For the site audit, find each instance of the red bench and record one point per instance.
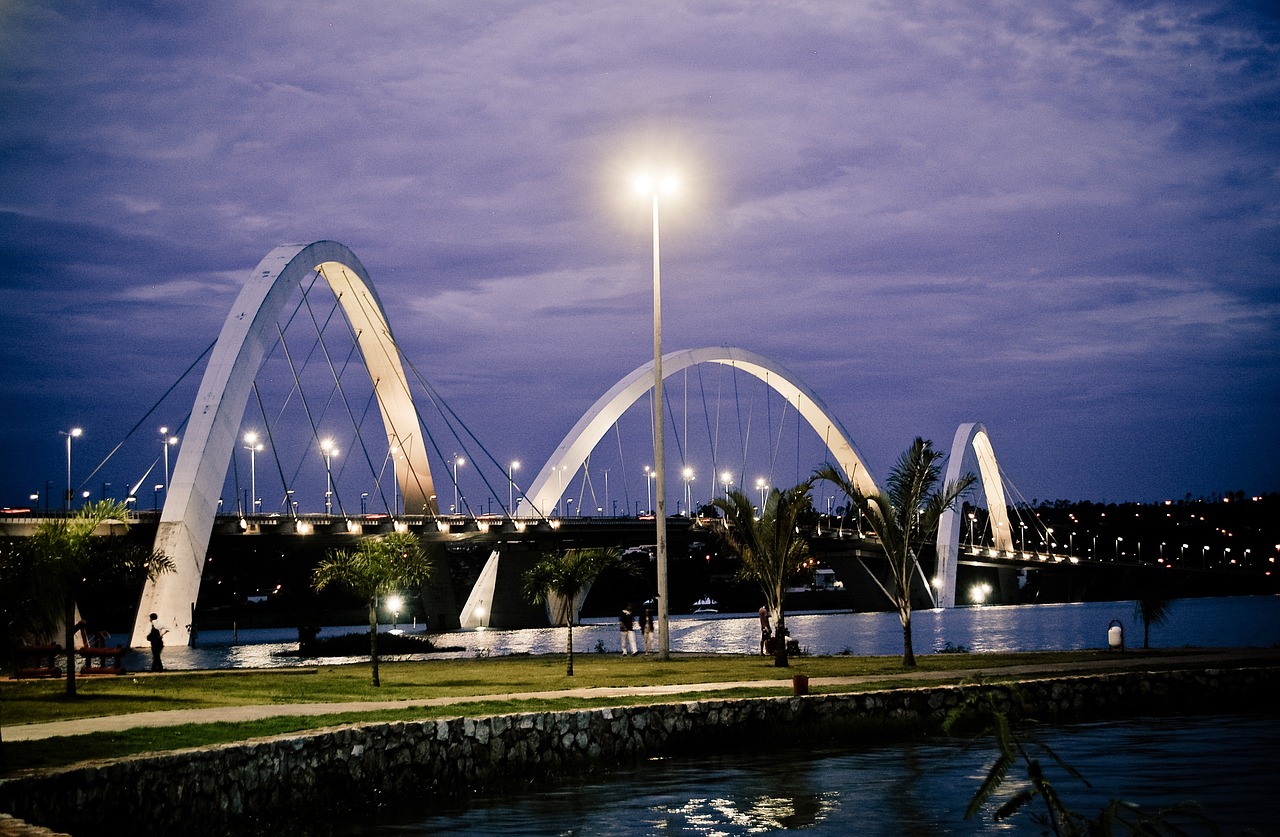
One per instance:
(38, 661)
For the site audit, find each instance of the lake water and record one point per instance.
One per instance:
(1225, 764)
(1226, 622)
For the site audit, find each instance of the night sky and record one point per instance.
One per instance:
(1061, 220)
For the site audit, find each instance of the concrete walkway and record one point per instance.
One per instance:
(234, 714)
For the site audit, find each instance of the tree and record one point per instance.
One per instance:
(558, 580)
(64, 557)
(906, 518)
(379, 565)
(770, 547)
(1153, 608)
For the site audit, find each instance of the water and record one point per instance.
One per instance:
(1227, 622)
(1225, 764)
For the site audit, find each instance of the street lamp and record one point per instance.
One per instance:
(648, 489)
(395, 481)
(457, 460)
(165, 441)
(73, 433)
(606, 492)
(329, 451)
(1118, 540)
(687, 473)
(760, 485)
(727, 479)
(511, 488)
(394, 604)
(1022, 537)
(253, 446)
(1048, 541)
(648, 185)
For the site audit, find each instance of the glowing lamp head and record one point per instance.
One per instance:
(75, 432)
(648, 184)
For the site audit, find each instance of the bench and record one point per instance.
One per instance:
(38, 661)
(114, 654)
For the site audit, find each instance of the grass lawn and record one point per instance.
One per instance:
(36, 701)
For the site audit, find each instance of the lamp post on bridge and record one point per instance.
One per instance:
(165, 441)
(647, 184)
(395, 481)
(329, 451)
(760, 484)
(1118, 540)
(648, 488)
(253, 446)
(511, 487)
(457, 460)
(689, 492)
(73, 433)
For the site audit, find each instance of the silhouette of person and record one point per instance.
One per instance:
(766, 631)
(626, 627)
(156, 637)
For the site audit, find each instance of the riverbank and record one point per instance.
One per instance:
(364, 763)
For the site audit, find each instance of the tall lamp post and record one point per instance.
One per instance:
(647, 184)
(457, 460)
(253, 446)
(73, 433)
(648, 489)
(511, 488)
(761, 485)
(165, 441)
(395, 482)
(329, 451)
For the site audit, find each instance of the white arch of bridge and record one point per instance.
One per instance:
(970, 438)
(545, 490)
(191, 500)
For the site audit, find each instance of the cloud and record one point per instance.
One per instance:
(925, 210)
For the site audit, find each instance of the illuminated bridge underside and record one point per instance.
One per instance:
(546, 489)
(971, 437)
(249, 332)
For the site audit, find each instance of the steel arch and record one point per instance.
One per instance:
(970, 437)
(191, 501)
(544, 493)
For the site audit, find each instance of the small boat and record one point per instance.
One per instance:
(706, 605)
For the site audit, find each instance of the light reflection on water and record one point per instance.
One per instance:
(1239, 621)
(1222, 763)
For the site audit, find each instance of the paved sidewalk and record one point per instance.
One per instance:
(235, 714)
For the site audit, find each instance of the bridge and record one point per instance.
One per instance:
(390, 430)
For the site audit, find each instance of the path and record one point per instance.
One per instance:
(236, 714)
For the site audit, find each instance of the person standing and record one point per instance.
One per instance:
(766, 630)
(646, 630)
(156, 637)
(626, 627)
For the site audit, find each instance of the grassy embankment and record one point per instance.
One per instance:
(481, 684)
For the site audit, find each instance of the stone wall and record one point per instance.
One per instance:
(265, 785)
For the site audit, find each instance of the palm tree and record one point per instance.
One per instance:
(906, 518)
(558, 581)
(379, 565)
(770, 547)
(64, 556)
(1153, 608)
